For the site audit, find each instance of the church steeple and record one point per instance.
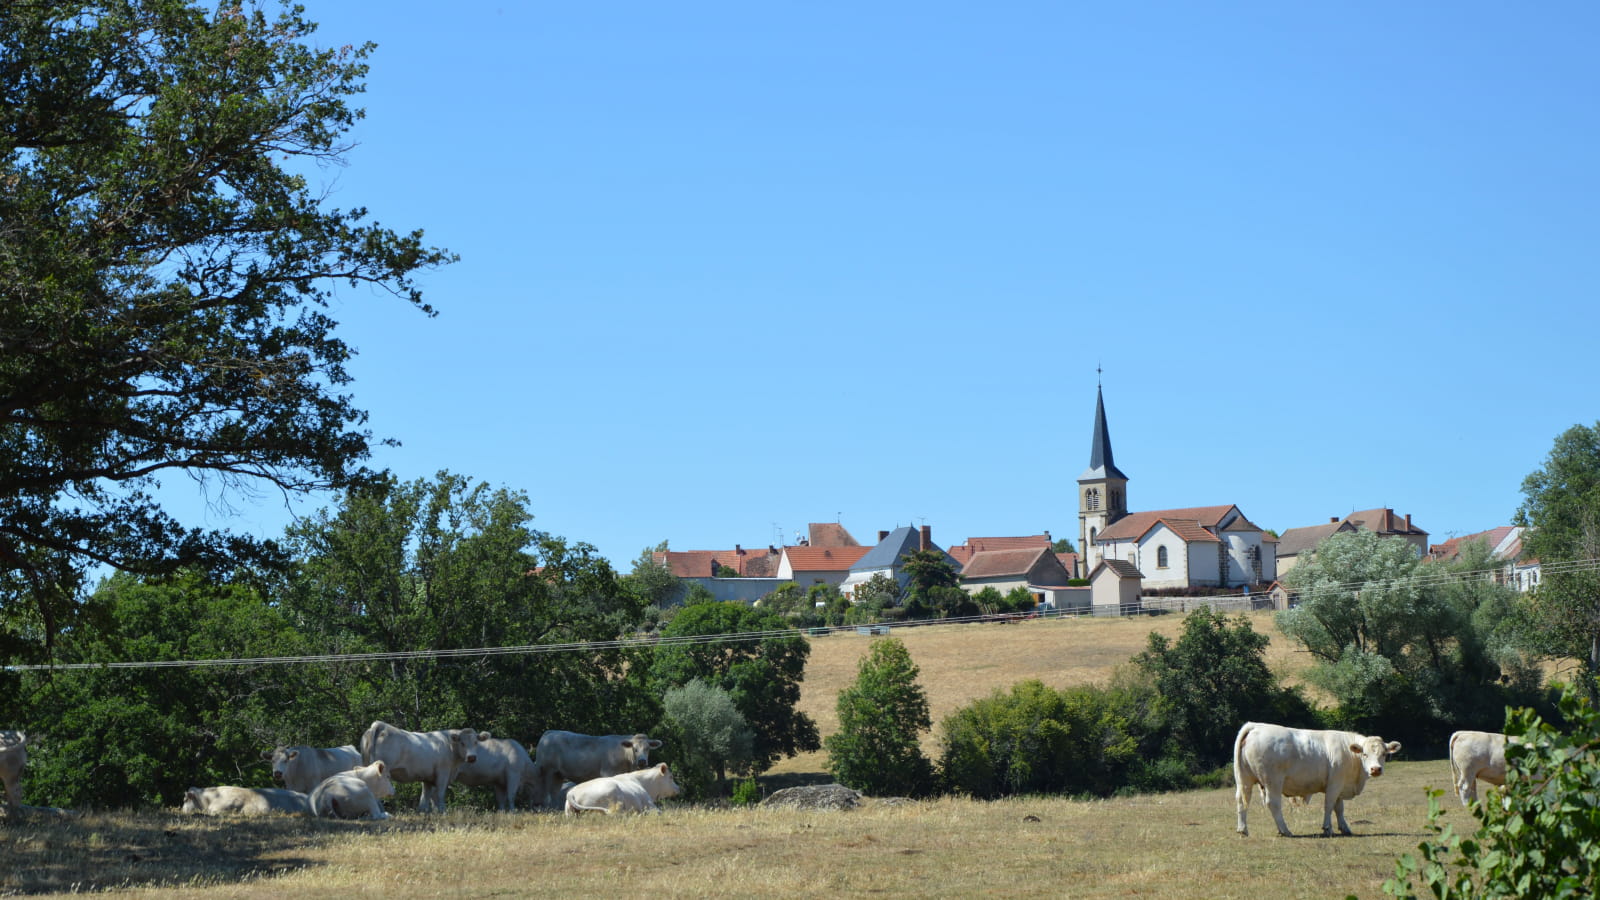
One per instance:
(1102, 490)
(1100, 462)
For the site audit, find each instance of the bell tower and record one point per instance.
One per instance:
(1102, 490)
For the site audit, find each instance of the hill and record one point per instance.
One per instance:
(961, 663)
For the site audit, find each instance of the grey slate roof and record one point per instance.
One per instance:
(900, 541)
(1100, 462)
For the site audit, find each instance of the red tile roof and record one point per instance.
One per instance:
(1000, 563)
(1383, 521)
(824, 559)
(1134, 525)
(1187, 530)
(830, 534)
(704, 563)
(962, 553)
(1448, 550)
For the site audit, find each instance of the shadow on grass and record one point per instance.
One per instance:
(43, 853)
(771, 783)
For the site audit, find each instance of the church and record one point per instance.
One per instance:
(1201, 546)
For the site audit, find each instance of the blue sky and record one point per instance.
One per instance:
(730, 268)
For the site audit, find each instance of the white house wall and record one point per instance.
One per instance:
(1176, 573)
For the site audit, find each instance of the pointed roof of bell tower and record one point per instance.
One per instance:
(1100, 462)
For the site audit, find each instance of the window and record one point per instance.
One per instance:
(1091, 498)
(1161, 557)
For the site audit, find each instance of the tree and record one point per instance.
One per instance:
(876, 749)
(1404, 649)
(165, 275)
(651, 581)
(762, 674)
(1062, 545)
(1561, 508)
(708, 736)
(1215, 678)
(933, 587)
(1538, 839)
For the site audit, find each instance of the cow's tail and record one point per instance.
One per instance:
(1455, 771)
(369, 741)
(1238, 754)
(574, 807)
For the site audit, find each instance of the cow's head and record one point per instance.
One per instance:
(280, 757)
(638, 750)
(377, 778)
(1373, 751)
(464, 743)
(192, 802)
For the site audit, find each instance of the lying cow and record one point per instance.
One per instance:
(431, 757)
(13, 756)
(629, 792)
(224, 800)
(1475, 755)
(567, 756)
(1297, 762)
(354, 794)
(301, 768)
(502, 764)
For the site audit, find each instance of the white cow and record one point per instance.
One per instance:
(567, 756)
(502, 764)
(13, 756)
(1475, 755)
(431, 757)
(216, 801)
(628, 792)
(1298, 762)
(301, 768)
(354, 794)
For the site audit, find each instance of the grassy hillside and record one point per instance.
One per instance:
(961, 663)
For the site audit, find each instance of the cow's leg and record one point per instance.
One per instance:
(1338, 808)
(1468, 788)
(426, 803)
(1275, 803)
(1241, 798)
(13, 794)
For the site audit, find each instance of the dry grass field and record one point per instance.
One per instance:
(1174, 845)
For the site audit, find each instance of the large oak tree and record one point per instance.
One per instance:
(165, 278)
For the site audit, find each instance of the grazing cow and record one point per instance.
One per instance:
(1297, 762)
(216, 801)
(301, 768)
(502, 764)
(431, 757)
(629, 792)
(1475, 755)
(354, 794)
(13, 756)
(566, 756)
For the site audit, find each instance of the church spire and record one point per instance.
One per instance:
(1100, 462)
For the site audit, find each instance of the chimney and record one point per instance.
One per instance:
(772, 550)
(1408, 521)
(927, 537)
(738, 550)
(1333, 520)
(882, 535)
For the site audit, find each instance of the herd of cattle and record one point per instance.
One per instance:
(579, 772)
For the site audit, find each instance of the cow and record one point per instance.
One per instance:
(628, 792)
(13, 756)
(431, 757)
(301, 768)
(353, 794)
(502, 764)
(216, 801)
(1298, 762)
(567, 756)
(1475, 755)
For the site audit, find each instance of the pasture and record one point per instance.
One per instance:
(1172, 845)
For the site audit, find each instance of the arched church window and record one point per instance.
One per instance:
(1091, 498)
(1116, 499)
(1161, 557)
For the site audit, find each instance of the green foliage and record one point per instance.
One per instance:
(926, 571)
(653, 583)
(1019, 599)
(834, 606)
(878, 593)
(1410, 650)
(876, 749)
(989, 599)
(1561, 506)
(1035, 739)
(1062, 545)
(726, 572)
(762, 676)
(138, 736)
(746, 792)
(708, 736)
(1215, 678)
(1540, 837)
(165, 278)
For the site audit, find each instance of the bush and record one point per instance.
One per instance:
(746, 792)
(1540, 837)
(881, 715)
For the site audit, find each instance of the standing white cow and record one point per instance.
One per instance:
(13, 756)
(628, 792)
(1298, 762)
(502, 764)
(301, 768)
(1475, 755)
(354, 794)
(431, 757)
(216, 801)
(568, 756)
